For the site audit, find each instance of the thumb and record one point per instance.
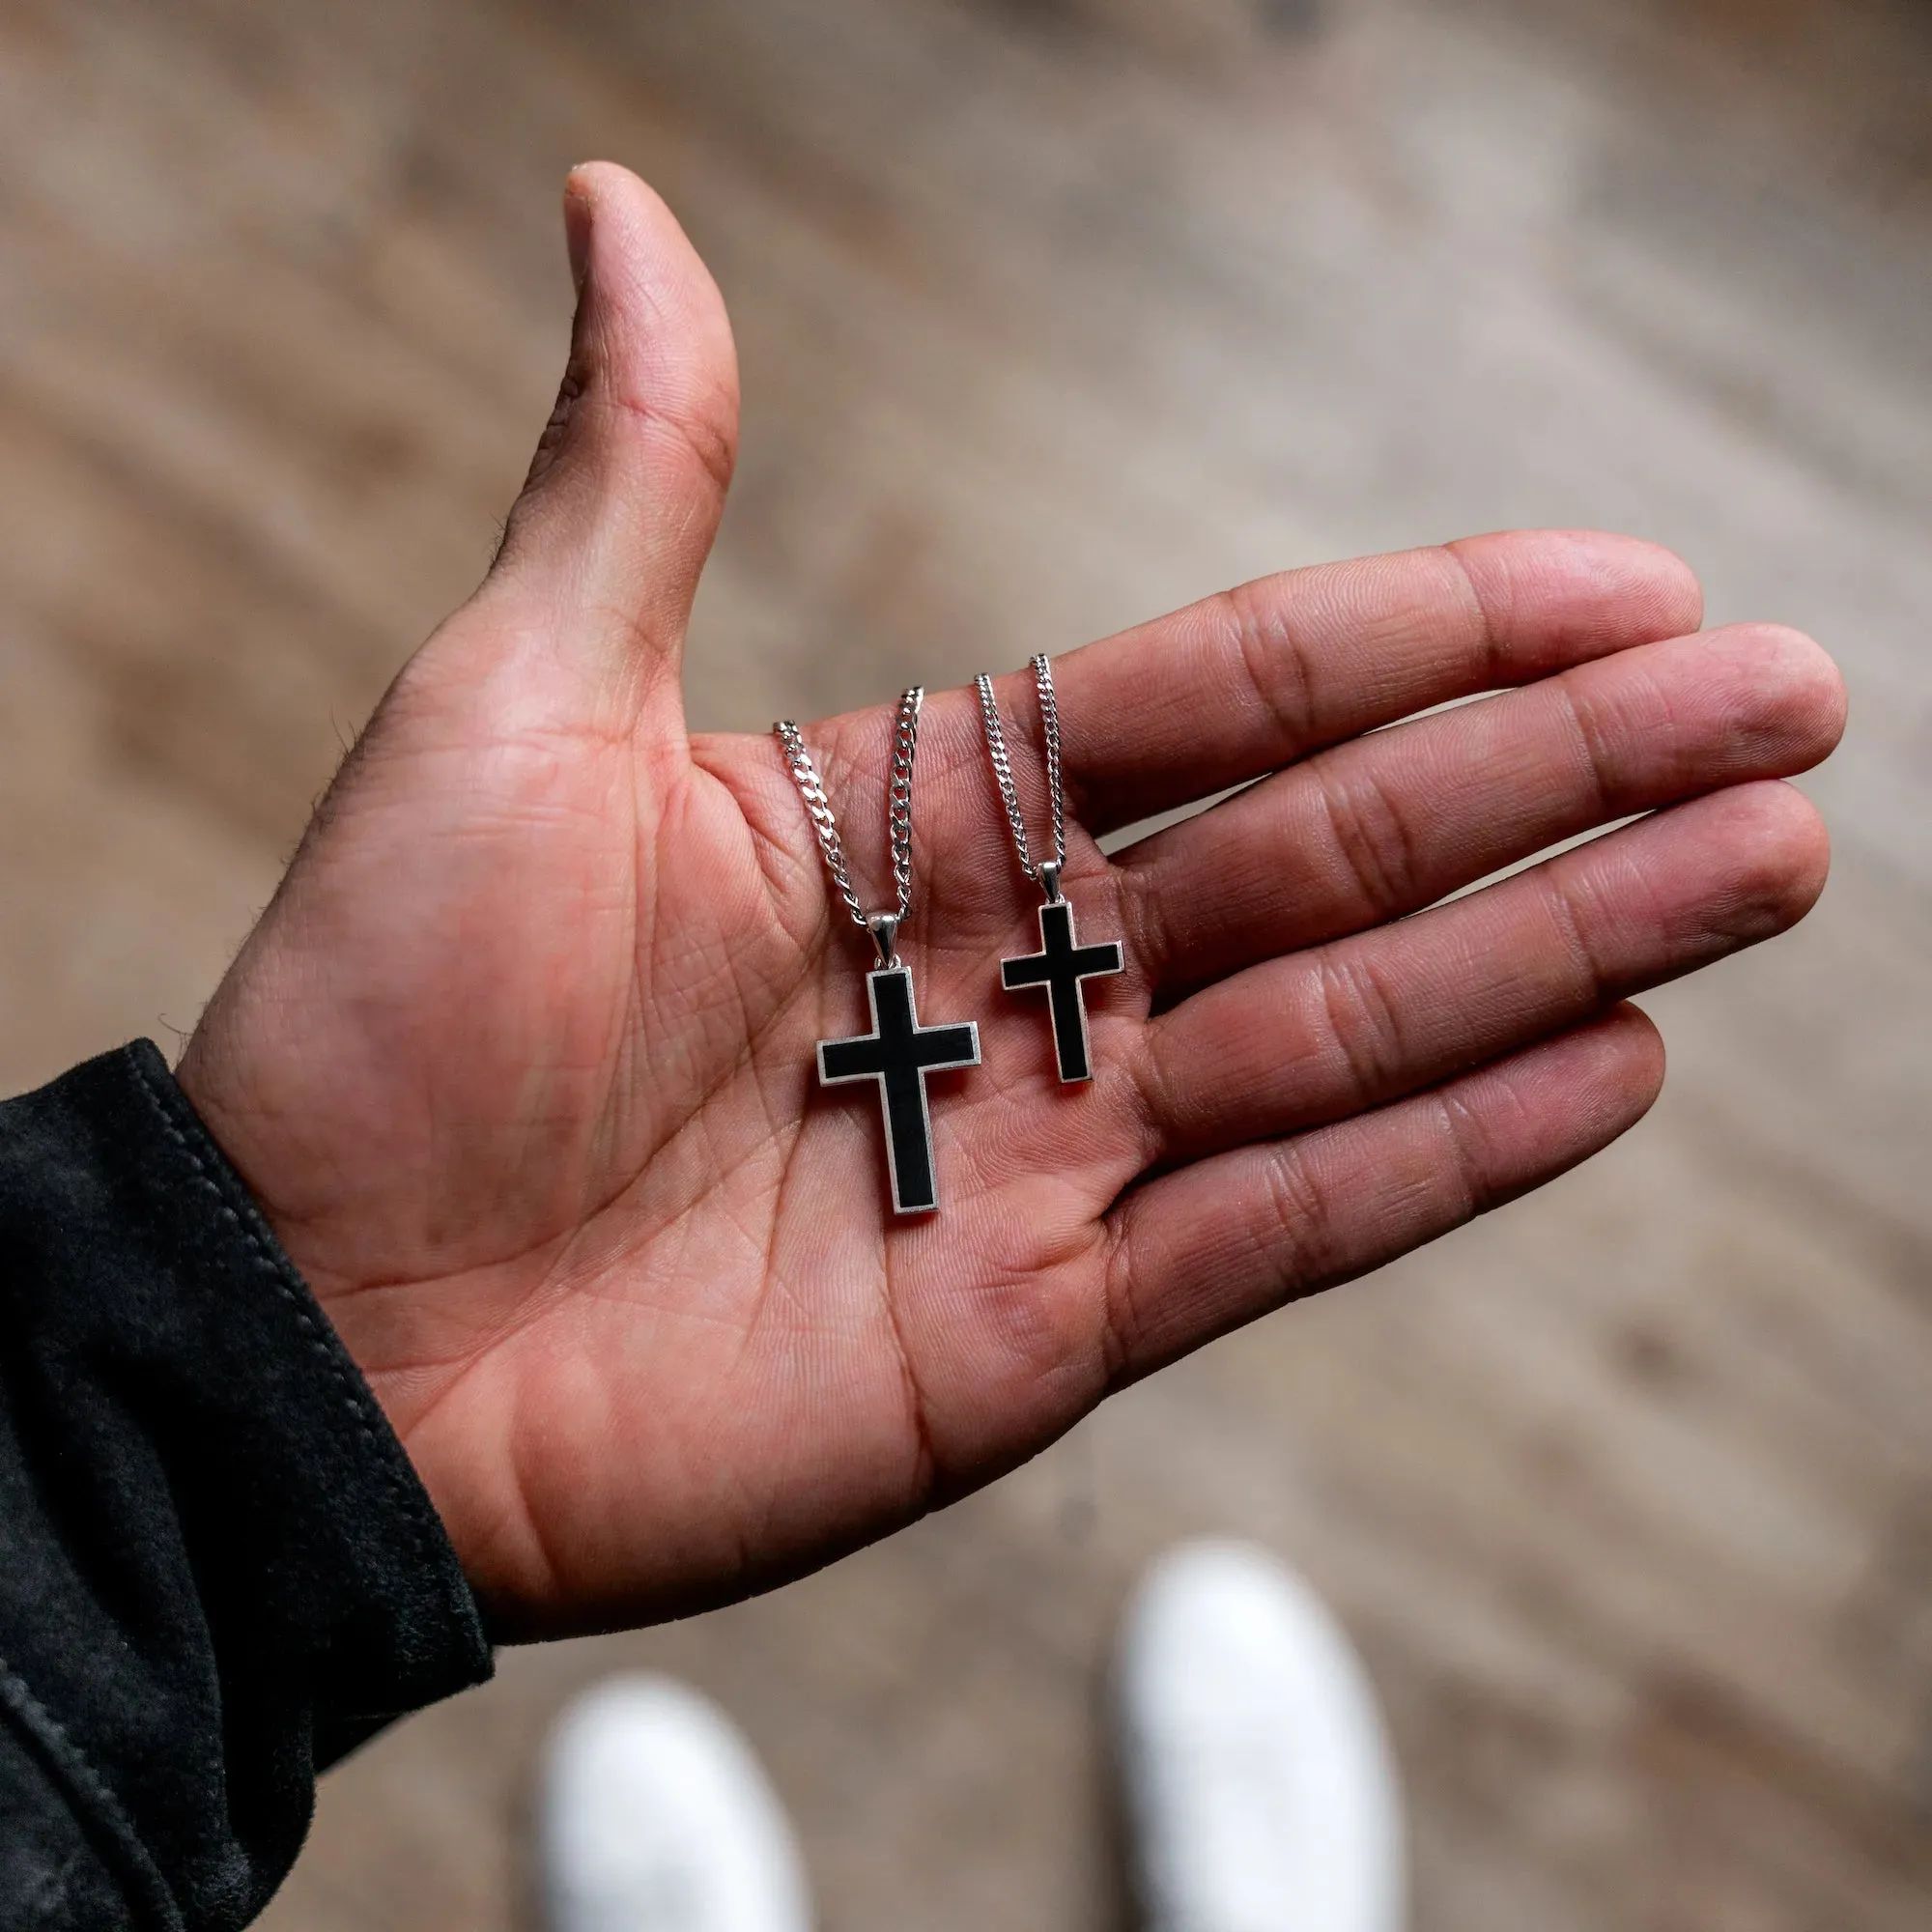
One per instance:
(623, 498)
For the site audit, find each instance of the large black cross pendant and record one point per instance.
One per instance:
(899, 1053)
(1060, 966)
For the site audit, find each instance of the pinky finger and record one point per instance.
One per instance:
(1212, 1246)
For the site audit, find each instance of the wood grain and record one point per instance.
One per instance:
(1053, 315)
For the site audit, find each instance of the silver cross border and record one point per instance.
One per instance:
(899, 1053)
(1060, 966)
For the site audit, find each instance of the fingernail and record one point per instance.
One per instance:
(577, 230)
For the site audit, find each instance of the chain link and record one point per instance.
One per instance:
(898, 807)
(1003, 768)
(898, 800)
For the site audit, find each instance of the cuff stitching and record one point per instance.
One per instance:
(294, 1291)
(77, 1769)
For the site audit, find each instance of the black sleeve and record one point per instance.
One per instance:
(217, 1569)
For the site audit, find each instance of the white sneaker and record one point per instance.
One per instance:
(654, 1816)
(1259, 1783)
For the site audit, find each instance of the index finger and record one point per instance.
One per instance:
(1252, 678)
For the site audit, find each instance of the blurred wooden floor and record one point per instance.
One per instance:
(1054, 315)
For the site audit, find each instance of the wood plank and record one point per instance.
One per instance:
(1052, 317)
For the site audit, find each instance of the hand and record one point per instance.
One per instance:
(519, 1060)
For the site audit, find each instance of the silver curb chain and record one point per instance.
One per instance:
(1002, 769)
(882, 927)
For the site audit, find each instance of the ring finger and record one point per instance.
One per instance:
(1322, 1035)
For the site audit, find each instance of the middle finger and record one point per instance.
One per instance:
(1393, 821)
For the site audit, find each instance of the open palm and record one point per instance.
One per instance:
(519, 1062)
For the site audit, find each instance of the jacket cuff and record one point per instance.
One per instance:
(222, 1568)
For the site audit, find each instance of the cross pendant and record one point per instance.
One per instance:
(1060, 966)
(899, 1053)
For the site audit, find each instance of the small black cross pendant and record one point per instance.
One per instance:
(1060, 966)
(899, 1053)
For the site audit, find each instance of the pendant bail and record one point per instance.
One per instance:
(884, 927)
(1049, 879)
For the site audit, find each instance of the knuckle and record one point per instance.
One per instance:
(1274, 661)
(1155, 1111)
(1120, 1326)
(1573, 906)
(1294, 1235)
(1464, 1166)
(1141, 907)
(1372, 841)
(1362, 1025)
(1596, 758)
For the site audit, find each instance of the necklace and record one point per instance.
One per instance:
(899, 1053)
(1060, 965)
